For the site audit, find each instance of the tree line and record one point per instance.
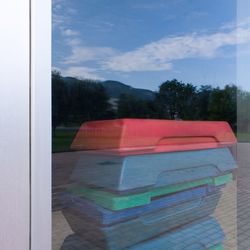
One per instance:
(87, 100)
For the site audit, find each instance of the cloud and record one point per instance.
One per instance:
(62, 14)
(82, 54)
(81, 72)
(56, 69)
(63, 19)
(160, 55)
(72, 42)
(99, 25)
(55, 2)
(245, 23)
(155, 56)
(69, 32)
(57, 18)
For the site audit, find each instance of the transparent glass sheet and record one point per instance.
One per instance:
(150, 111)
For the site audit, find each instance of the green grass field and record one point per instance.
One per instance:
(243, 137)
(62, 139)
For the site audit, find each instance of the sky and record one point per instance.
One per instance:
(143, 43)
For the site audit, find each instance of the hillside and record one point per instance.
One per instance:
(115, 89)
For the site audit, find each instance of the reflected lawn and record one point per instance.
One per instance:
(243, 137)
(62, 139)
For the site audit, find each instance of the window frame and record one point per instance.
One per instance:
(40, 125)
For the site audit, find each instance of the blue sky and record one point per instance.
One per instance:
(143, 43)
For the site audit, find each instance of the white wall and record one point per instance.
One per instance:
(25, 151)
(14, 125)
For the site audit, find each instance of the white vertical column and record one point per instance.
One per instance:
(243, 56)
(14, 125)
(41, 125)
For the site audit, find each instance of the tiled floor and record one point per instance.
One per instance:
(243, 197)
(61, 230)
(226, 214)
(232, 211)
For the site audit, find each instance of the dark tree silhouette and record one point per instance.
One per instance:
(243, 111)
(177, 100)
(76, 101)
(88, 101)
(223, 105)
(59, 100)
(132, 107)
(203, 99)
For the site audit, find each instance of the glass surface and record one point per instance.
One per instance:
(138, 159)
